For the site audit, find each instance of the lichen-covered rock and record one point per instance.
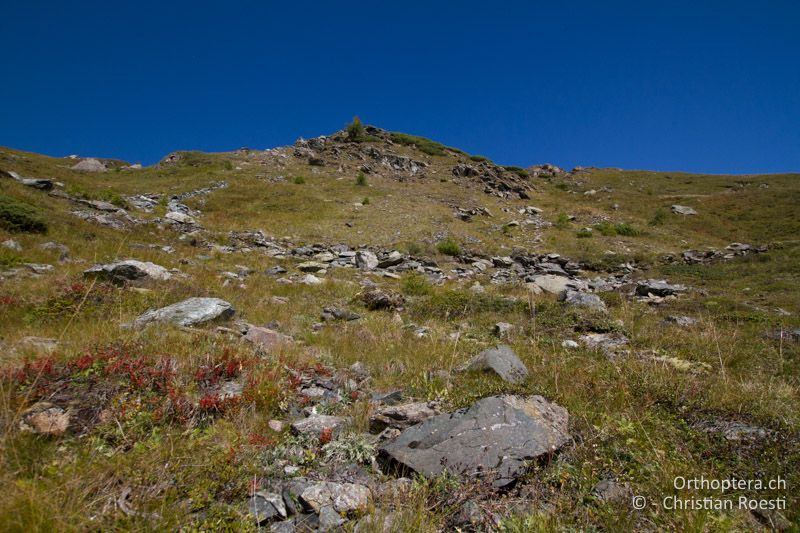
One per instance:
(342, 497)
(317, 424)
(493, 439)
(190, 312)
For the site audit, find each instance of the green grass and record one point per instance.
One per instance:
(17, 216)
(449, 247)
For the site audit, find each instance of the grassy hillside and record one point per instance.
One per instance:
(636, 418)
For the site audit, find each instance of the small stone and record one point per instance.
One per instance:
(329, 518)
(45, 418)
(276, 425)
(584, 299)
(312, 266)
(265, 506)
(683, 210)
(39, 268)
(310, 279)
(569, 343)
(11, 244)
(682, 321)
(376, 299)
(401, 416)
(502, 361)
(267, 339)
(180, 218)
(611, 492)
(317, 424)
(341, 497)
(366, 260)
(42, 344)
(503, 330)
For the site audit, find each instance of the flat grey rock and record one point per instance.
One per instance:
(493, 439)
(129, 270)
(658, 287)
(683, 210)
(401, 416)
(191, 312)
(502, 361)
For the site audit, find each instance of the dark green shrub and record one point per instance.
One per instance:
(562, 221)
(659, 217)
(606, 228)
(361, 180)
(478, 158)
(585, 233)
(449, 247)
(16, 216)
(415, 284)
(299, 180)
(365, 201)
(355, 130)
(413, 248)
(626, 230)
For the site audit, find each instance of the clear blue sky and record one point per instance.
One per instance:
(697, 86)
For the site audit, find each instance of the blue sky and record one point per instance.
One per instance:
(696, 86)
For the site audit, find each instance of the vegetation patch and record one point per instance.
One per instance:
(422, 144)
(519, 171)
(18, 217)
(449, 247)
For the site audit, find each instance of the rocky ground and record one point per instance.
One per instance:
(382, 333)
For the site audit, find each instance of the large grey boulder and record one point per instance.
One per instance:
(500, 360)
(128, 270)
(191, 312)
(493, 439)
